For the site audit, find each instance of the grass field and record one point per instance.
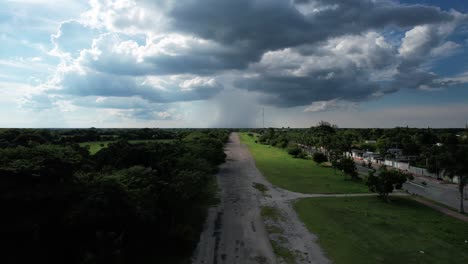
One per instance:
(298, 175)
(367, 230)
(95, 146)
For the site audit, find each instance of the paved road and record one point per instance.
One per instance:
(234, 232)
(442, 193)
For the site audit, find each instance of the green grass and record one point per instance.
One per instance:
(272, 229)
(298, 175)
(440, 204)
(261, 188)
(284, 253)
(136, 141)
(367, 230)
(95, 146)
(270, 213)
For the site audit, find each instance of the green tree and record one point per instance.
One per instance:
(384, 181)
(434, 157)
(348, 167)
(453, 161)
(321, 136)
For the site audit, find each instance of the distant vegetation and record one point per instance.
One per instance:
(138, 202)
(95, 146)
(412, 141)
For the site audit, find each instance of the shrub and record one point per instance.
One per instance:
(282, 144)
(319, 157)
(301, 155)
(294, 151)
(272, 142)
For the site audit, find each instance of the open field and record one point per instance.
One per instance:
(298, 175)
(95, 146)
(367, 230)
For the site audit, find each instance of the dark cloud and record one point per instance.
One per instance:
(116, 103)
(146, 114)
(199, 63)
(254, 27)
(242, 31)
(102, 84)
(290, 91)
(294, 53)
(173, 54)
(246, 30)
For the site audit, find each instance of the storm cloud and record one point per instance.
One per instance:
(292, 53)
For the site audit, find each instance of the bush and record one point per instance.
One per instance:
(272, 142)
(282, 144)
(297, 152)
(294, 151)
(301, 155)
(319, 157)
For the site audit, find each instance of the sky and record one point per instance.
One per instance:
(221, 63)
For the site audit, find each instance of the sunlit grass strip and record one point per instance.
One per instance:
(298, 175)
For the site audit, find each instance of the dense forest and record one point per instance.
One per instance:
(128, 203)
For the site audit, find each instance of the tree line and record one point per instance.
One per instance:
(440, 151)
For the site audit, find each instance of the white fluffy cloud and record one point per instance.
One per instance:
(421, 40)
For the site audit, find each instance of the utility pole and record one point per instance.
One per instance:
(263, 116)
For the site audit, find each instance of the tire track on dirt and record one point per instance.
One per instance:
(234, 231)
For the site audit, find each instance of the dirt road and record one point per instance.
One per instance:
(235, 231)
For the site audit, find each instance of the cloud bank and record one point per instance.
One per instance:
(142, 58)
